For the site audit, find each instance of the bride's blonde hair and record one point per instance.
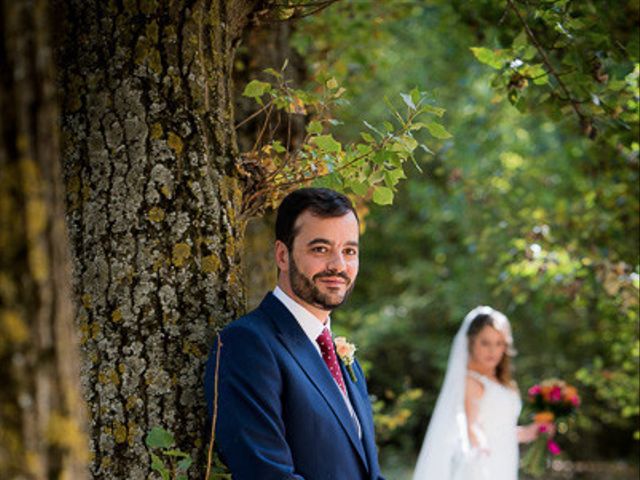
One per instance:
(498, 321)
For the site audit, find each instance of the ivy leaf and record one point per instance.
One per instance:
(158, 437)
(256, 88)
(327, 143)
(494, 58)
(383, 196)
(438, 130)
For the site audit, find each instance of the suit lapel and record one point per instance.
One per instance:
(360, 404)
(305, 355)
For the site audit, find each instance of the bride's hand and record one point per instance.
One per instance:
(528, 433)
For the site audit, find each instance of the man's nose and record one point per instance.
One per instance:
(337, 262)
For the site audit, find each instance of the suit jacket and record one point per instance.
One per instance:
(280, 413)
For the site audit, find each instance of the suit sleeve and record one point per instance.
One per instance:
(249, 428)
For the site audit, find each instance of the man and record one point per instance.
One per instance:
(287, 407)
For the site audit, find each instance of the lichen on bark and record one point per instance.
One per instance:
(154, 212)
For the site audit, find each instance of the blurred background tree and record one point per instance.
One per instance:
(532, 207)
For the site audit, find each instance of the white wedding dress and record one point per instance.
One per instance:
(498, 412)
(446, 452)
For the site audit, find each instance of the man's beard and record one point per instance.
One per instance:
(305, 288)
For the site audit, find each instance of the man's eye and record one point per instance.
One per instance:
(319, 249)
(351, 251)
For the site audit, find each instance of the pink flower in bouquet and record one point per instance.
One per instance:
(535, 390)
(575, 401)
(553, 447)
(555, 395)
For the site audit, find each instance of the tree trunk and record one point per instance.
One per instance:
(41, 412)
(154, 208)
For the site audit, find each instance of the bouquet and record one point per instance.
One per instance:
(551, 401)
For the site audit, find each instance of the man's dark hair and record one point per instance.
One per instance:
(321, 202)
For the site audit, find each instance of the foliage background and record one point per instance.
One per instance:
(531, 207)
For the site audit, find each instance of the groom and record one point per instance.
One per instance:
(288, 408)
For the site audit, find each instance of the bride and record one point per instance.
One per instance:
(473, 433)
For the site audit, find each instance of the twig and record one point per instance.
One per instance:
(215, 408)
(254, 114)
(546, 61)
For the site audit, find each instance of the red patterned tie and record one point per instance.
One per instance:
(329, 356)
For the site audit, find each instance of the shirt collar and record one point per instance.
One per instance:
(309, 323)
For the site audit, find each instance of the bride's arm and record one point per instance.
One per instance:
(473, 393)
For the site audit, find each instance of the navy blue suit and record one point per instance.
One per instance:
(280, 413)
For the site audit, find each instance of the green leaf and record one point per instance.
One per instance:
(438, 131)
(383, 196)
(359, 188)
(408, 101)
(494, 58)
(185, 463)
(437, 111)
(256, 88)
(367, 137)
(314, 127)
(158, 437)
(415, 96)
(327, 143)
(175, 453)
(278, 147)
(158, 466)
(392, 177)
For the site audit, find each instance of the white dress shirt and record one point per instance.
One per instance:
(313, 327)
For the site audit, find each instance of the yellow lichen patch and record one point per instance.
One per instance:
(95, 330)
(210, 264)
(119, 432)
(38, 262)
(36, 221)
(181, 253)
(109, 376)
(157, 264)
(33, 462)
(13, 327)
(230, 249)
(73, 184)
(86, 301)
(65, 432)
(116, 316)
(105, 463)
(175, 142)
(156, 214)
(131, 402)
(191, 349)
(148, 7)
(133, 431)
(122, 368)
(166, 191)
(151, 31)
(156, 131)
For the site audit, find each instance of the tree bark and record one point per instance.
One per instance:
(41, 411)
(154, 209)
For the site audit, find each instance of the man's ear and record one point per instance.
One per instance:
(282, 256)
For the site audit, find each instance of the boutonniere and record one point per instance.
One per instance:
(347, 353)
